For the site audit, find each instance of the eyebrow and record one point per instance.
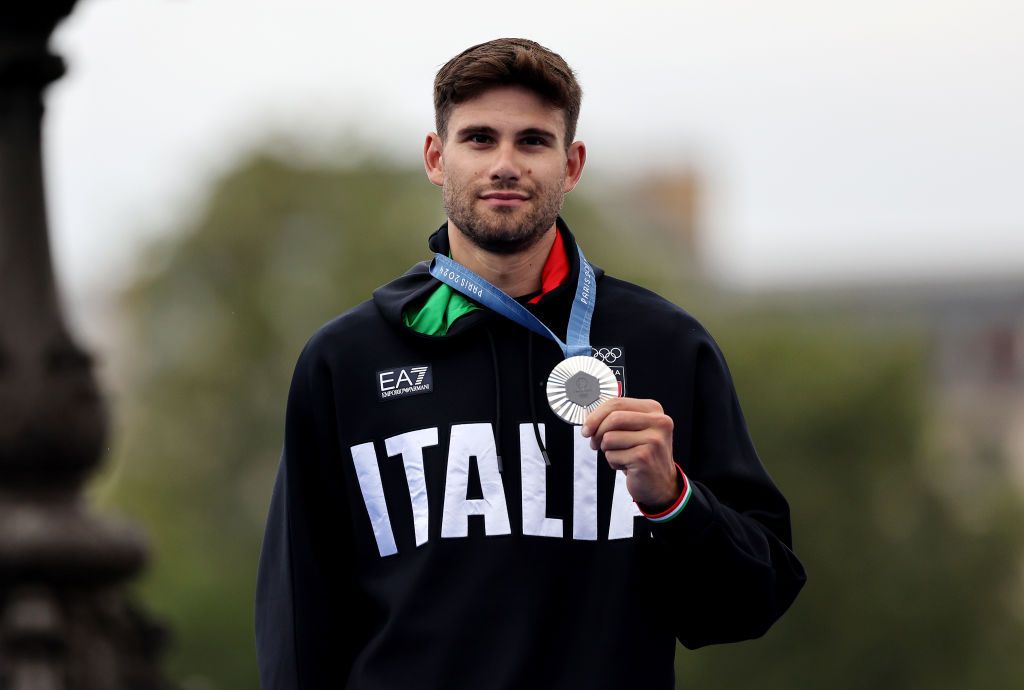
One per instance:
(490, 131)
(538, 132)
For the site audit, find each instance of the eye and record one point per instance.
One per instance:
(534, 141)
(479, 138)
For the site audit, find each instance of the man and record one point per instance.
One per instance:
(434, 524)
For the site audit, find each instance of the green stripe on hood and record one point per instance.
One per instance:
(438, 312)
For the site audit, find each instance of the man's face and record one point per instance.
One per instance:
(504, 168)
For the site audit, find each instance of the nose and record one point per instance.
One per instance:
(506, 168)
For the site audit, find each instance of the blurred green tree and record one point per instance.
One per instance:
(901, 592)
(901, 595)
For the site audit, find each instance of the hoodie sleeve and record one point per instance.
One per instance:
(308, 611)
(730, 547)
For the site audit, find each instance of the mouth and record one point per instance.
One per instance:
(504, 198)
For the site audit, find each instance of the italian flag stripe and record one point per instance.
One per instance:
(677, 507)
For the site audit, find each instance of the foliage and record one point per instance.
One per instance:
(900, 594)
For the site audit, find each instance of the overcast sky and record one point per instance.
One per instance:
(839, 141)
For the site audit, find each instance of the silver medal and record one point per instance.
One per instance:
(578, 385)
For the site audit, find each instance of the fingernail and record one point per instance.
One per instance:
(585, 431)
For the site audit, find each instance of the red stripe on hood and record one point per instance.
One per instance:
(556, 268)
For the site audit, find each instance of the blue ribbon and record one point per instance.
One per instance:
(577, 336)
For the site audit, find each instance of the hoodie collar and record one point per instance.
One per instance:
(417, 284)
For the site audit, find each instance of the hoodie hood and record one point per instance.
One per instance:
(416, 285)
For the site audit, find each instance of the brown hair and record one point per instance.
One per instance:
(507, 62)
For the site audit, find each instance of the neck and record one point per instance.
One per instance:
(514, 274)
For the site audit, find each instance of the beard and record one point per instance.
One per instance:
(502, 229)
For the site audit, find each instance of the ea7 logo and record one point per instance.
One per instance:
(401, 381)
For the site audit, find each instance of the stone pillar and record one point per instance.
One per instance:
(65, 621)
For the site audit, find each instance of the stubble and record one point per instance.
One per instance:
(502, 229)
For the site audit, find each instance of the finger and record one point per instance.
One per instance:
(630, 460)
(638, 462)
(626, 420)
(623, 440)
(622, 420)
(619, 460)
(594, 419)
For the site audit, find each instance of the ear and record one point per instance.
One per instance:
(432, 161)
(576, 159)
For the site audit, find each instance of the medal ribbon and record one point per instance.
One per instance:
(577, 337)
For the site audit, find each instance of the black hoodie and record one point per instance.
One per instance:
(401, 553)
